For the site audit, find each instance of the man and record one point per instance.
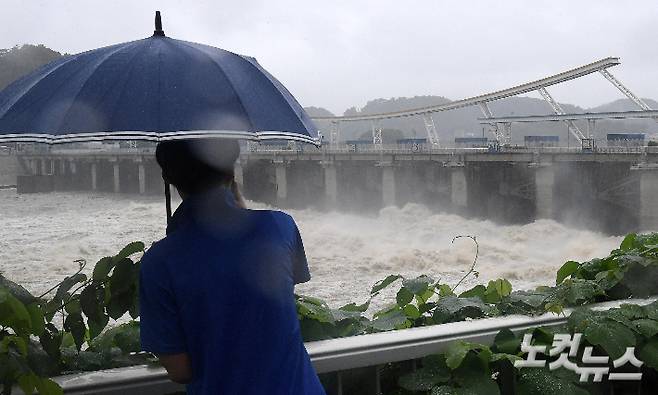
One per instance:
(216, 294)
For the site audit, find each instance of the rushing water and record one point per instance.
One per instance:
(42, 234)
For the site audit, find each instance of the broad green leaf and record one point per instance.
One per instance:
(311, 309)
(411, 311)
(425, 296)
(648, 328)
(506, 342)
(51, 340)
(457, 351)
(423, 379)
(418, 285)
(404, 297)
(119, 304)
(67, 284)
(394, 319)
(497, 290)
(14, 314)
(475, 292)
(452, 308)
(602, 331)
(629, 242)
(48, 387)
(642, 281)
(523, 302)
(128, 250)
(379, 285)
(473, 374)
(92, 302)
(569, 268)
(649, 353)
(632, 311)
(445, 290)
(96, 325)
(123, 277)
(102, 269)
(361, 308)
(127, 337)
(75, 325)
(36, 318)
(312, 300)
(28, 383)
(543, 382)
(16, 290)
(576, 291)
(652, 310)
(122, 288)
(13, 341)
(73, 306)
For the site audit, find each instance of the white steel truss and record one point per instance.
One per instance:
(493, 127)
(557, 108)
(430, 127)
(377, 140)
(640, 103)
(487, 97)
(334, 134)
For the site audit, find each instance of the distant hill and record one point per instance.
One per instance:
(20, 60)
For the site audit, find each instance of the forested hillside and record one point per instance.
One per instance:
(17, 61)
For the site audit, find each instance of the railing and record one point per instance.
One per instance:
(366, 149)
(335, 356)
(427, 149)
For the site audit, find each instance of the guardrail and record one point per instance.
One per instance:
(336, 356)
(366, 149)
(427, 149)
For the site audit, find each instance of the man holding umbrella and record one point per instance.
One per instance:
(217, 303)
(216, 294)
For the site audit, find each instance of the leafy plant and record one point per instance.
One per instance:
(33, 347)
(68, 331)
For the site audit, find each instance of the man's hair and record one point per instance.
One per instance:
(195, 165)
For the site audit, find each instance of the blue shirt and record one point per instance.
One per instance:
(220, 288)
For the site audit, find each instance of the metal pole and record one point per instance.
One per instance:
(168, 200)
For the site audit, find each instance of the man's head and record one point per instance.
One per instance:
(195, 165)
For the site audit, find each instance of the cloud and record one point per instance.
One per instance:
(342, 53)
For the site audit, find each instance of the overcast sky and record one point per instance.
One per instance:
(338, 54)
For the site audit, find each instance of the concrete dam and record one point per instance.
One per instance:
(610, 190)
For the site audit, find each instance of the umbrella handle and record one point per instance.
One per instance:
(167, 191)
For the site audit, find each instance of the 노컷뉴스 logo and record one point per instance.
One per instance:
(593, 365)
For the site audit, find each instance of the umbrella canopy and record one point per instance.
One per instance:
(153, 89)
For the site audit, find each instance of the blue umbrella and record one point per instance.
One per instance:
(154, 89)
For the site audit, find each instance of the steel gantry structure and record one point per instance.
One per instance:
(501, 127)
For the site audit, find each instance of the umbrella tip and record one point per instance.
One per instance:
(158, 25)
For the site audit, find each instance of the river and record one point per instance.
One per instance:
(41, 235)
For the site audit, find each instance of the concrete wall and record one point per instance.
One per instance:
(10, 168)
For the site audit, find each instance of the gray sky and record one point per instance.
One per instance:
(337, 54)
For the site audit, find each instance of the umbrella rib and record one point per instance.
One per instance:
(26, 91)
(103, 60)
(218, 66)
(277, 89)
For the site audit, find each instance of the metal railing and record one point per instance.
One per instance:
(335, 356)
(428, 149)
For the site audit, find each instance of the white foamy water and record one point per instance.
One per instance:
(42, 234)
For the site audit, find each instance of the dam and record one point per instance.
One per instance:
(611, 189)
